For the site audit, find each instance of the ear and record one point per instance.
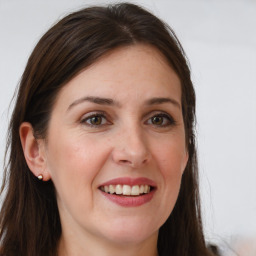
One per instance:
(34, 151)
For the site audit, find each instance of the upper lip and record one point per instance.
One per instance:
(129, 181)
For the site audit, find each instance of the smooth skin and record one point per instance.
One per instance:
(120, 117)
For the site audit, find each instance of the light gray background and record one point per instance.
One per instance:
(219, 38)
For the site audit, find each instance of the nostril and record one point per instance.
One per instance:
(145, 161)
(124, 161)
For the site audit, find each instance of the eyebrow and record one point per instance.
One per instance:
(111, 102)
(157, 101)
(96, 100)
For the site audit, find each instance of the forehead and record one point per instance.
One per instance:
(135, 59)
(137, 68)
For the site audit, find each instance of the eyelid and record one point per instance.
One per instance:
(164, 114)
(89, 115)
(157, 113)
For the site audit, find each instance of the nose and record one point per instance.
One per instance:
(131, 149)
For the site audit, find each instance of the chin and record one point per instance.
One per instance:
(124, 238)
(131, 232)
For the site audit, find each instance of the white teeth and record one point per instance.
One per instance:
(146, 188)
(126, 189)
(111, 189)
(135, 190)
(106, 189)
(119, 190)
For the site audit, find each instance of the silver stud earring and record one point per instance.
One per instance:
(40, 176)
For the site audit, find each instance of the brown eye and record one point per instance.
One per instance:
(161, 120)
(95, 120)
(157, 120)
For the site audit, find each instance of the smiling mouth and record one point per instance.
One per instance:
(127, 190)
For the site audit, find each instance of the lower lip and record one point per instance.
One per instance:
(130, 201)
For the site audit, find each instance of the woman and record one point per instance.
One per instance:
(102, 156)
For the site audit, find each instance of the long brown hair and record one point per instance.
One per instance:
(29, 218)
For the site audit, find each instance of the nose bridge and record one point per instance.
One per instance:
(132, 148)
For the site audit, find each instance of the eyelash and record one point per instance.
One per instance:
(166, 118)
(169, 121)
(93, 115)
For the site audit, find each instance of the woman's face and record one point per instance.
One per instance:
(115, 147)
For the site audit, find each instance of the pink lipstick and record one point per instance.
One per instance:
(129, 192)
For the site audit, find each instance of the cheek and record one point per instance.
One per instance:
(75, 162)
(171, 170)
(171, 157)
